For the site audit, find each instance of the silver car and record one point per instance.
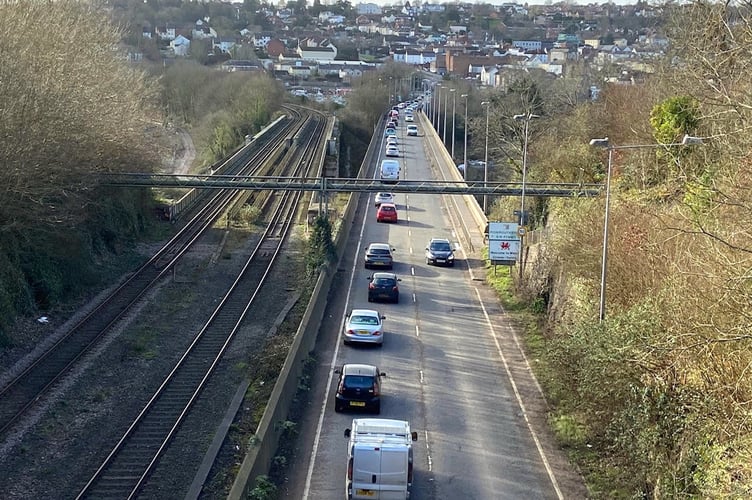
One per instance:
(379, 255)
(364, 326)
(383, 198)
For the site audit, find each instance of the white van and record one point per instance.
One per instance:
(390, 170)
(379, 459)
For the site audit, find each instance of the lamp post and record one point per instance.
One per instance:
(446, 107)
(464, 171)
(454, 108)
(523, 220)
(487, 104)
(688, 140)
(438, 107)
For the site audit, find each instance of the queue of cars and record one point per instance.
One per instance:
(379, 451)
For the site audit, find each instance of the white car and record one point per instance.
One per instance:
(412, 130)
(383, 198)
(392, 151)
(392, 140)
(364, 325)
(409, 117)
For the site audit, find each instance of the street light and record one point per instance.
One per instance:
(523, 221)
(687, 140)
(454, 107)
(438, 107)
(464, 170)
(446, 106)
(487, 104)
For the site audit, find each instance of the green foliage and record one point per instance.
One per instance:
(263, 489)
(320, 246)
(673, 118)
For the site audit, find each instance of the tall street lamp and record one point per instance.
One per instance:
(523, 220)
(446, 106)
(487, 104)
(454, 108)
(438, 107)
(688, 140)
(464, 170)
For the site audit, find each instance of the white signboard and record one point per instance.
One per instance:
(503, 241)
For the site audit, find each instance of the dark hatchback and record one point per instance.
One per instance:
(383, 286)
(439, 252)
(359, 388)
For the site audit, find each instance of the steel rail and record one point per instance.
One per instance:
(151, 432)
(20, 393)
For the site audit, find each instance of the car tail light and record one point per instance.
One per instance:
(395, 288)
(376, 333)
(351, 332)
(371, 286)
(350, 469)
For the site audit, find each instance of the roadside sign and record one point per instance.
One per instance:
(503, 241)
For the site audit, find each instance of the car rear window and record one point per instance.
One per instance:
(384, 281)
(379, 251)
(388, 209)
(358, 382)
(365, 320)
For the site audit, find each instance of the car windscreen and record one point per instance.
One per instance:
(441, 247)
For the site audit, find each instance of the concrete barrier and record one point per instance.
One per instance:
(261, 452)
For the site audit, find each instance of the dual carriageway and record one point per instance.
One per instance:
(444, 352)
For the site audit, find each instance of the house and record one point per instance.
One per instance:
(180, 46)
(166, 32)
(224, 44)
(261, 40)
(275, 47)
(311, 49)
(368, 9)
(234, 65)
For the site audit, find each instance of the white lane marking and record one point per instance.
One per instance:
(428, 453)
(422, 381)
(417, 331)
(412, 271)
(415, 298)
(517, 395)
(320, 424)
(411, 250)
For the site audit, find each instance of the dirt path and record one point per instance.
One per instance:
(183, 154)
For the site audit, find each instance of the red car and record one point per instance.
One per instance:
(387, 212)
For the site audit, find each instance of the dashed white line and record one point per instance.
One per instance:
(412, 271)
(415, 298)
(417, 331)
(411, 250)
(428, 452)
(421, 377)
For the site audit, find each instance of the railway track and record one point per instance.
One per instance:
(17, 396)
(126, 471)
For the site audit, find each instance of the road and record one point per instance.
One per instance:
(447, 371)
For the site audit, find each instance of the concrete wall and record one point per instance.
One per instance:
(259, 456)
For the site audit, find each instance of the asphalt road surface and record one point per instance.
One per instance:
(447, 371)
